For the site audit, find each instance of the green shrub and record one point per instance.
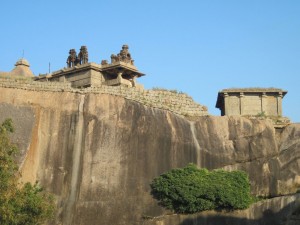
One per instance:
(190, 190)
(19, 204)
(262, 114)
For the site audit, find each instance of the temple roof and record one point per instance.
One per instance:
(23, 62)
(126, 68)
(22, 68)
(257, 90)
(247, 90)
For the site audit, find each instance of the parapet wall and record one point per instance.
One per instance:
(178, 103)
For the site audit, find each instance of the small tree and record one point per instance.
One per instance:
(190, 190)
(19, 204)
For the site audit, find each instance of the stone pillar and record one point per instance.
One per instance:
(119, 78)
(133, 82)
(242, 100)
(62, 79)
(226, 104)
(279, 104)
(264, 103)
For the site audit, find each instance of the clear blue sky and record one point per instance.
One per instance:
(198, 47)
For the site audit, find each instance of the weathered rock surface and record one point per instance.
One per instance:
(98, 154)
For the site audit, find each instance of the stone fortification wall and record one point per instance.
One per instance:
(28, 84)
(178, 103)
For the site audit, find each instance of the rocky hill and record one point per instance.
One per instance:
(98, 154)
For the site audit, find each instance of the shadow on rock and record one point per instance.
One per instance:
(285, 216)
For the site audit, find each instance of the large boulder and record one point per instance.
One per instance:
(98, 153)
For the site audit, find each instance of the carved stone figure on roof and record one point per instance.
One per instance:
(72, 58)
(83, 56)
(124, 55)
(114, 58)
(104, 62)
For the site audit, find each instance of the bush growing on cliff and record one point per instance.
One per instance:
(190, 190)
(19, 204)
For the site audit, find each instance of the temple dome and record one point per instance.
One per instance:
(22, 61)
(22, 68)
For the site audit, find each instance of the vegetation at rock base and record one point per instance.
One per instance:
(20, 204)
(190, 190)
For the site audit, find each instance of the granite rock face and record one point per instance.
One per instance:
(98, 154)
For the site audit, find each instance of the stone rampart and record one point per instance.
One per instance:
(178, 103)
(28, 84)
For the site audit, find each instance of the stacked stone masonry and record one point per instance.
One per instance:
(178, 103)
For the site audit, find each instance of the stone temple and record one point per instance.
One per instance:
(251, 101)
(121, 71)
(22, 69)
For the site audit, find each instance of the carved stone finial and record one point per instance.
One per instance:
(114, 58)
(123, 56)
(23, 62)
(104, 62)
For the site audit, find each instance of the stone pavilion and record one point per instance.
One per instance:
(251, 101)
(121, 71)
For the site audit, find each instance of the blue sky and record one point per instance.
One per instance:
(198, 47)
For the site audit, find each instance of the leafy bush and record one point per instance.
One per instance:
(190, 190)
(262, 114)
(19, 204)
